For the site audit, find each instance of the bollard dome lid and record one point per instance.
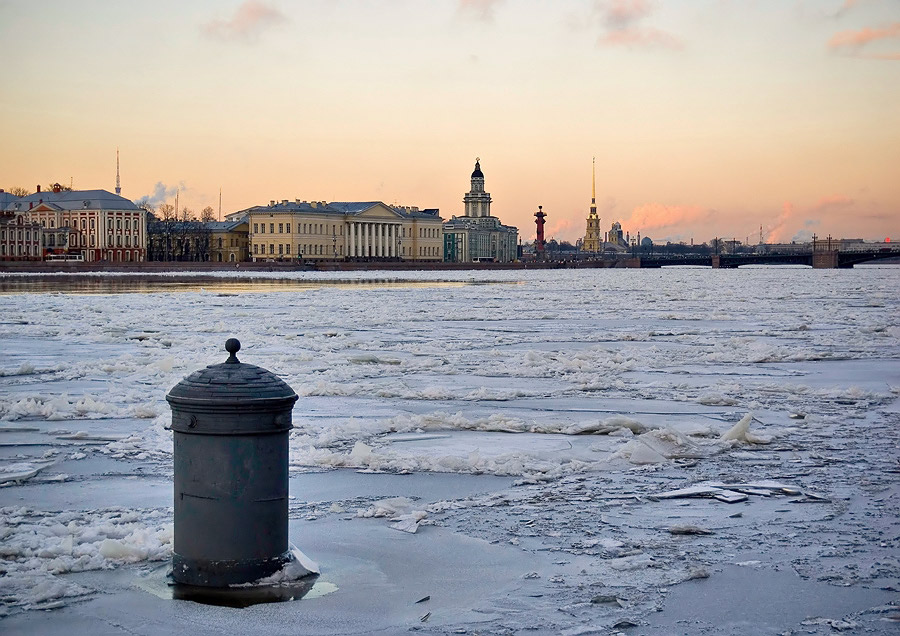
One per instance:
(232, 384)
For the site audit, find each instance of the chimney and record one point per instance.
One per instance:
(39, 187)
(272, 203)
(313, 204)
(284, 202)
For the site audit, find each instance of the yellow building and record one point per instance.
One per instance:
(592, 238)
(316, 230)
(229, 241)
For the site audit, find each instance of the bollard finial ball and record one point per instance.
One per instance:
(232, 346)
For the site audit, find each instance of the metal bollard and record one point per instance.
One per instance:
(231, 423)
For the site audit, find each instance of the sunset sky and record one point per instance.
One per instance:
(706, 117)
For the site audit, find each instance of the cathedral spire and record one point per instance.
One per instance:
(118, 184)
(591, 242)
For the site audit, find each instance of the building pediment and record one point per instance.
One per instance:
(379, 210)
(46, 207)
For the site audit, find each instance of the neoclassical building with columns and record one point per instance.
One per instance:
(319, 230)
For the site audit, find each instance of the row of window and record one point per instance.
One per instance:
(322, 228)
(307, 228)
(20, 250)
(127, 224)
(233, 243)
(284, 249)
(22, 237)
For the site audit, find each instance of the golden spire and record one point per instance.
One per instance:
(593, 181)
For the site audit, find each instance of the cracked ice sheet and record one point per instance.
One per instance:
(372, 362)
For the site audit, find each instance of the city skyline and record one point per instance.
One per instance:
(708, 119)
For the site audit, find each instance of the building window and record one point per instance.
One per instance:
(271, 228)
(128, 241)
(92, 241)
(255, 228)
(280, 248)
(287, 228)
(255, 246)
(287, 248)
(271, 248)
(119, 224)
(281, 228)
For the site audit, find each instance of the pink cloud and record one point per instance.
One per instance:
(857, 42)
(641, 37)
(623, 13)
(557, 228)
(482, 9)
(659, 216)
(622, 23)
(249, 20)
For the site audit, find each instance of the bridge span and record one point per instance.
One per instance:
(820, 259)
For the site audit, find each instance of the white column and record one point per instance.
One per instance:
(351, 250)
(376, 236)
(367, 241)
(384, 228)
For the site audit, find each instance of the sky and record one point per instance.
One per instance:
(706, 118)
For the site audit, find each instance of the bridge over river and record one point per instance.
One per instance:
(819, 259)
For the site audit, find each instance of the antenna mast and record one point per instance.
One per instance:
(118, 184)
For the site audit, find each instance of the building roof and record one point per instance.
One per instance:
(342, 208)
(6, 198)
(224, 226)
(76, 200)
(477, 173)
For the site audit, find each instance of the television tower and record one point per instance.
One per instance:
(118, 184)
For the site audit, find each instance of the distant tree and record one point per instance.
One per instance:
(166, 211)
(19, 191)
(54, 184)
(207, 215)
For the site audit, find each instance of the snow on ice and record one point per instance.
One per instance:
(627, 434)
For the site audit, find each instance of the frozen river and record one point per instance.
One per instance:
(580, 451)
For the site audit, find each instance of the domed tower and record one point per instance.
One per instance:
(477, 201)
(592, 232)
